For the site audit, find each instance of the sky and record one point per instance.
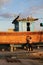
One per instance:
(10, 8)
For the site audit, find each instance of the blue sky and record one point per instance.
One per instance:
(9, 8)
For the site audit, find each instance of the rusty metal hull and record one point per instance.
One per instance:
(20, 37)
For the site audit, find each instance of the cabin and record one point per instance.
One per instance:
(28, 24)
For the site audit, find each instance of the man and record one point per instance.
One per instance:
(29, 43)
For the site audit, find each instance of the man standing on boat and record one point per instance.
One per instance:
(29, 43)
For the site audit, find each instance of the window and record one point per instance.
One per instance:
(16, 26)
(41, 24)
(28, 26)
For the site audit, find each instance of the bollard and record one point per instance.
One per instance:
(3, 50)
(38, 47)
(11, 47)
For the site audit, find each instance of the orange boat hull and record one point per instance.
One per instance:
(20, 37)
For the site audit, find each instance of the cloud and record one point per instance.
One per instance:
(8, 15)
(2, 2)
(38, 8)
(34, 10)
